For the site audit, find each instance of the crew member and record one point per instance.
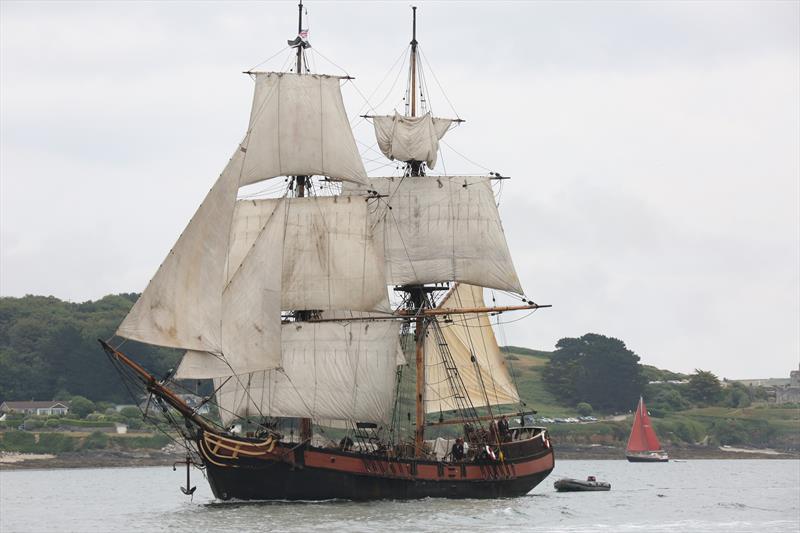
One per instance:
(457, 451)
(502, 427)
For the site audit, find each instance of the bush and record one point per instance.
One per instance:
(32, 423)
(86, 423)
(131, 412)
(55, 443)
(95, 441)
(103, 406)
(18, 441)
(80, 406)
(134, 423)
(512, 357)
(53, 423)
(584, 409)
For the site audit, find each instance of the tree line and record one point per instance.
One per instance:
(602, 373)
(49, 349)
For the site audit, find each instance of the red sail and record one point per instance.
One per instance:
(643, 438)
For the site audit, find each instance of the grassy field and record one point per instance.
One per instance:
(526, 366)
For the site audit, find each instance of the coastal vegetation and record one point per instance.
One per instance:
(48, 350)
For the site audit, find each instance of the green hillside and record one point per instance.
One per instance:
(526, 368)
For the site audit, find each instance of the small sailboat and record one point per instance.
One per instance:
(643, 445)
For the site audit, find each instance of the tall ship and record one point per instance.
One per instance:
(643, 445)
(341, 322)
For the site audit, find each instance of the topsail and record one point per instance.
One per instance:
(441, 228)
(410, 138)
(299, 127)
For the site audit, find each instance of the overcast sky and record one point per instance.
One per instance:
(654, 149)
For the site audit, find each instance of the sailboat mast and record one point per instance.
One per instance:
(300, 180)
(414, 62)
(299, 31)
(417, 295)
(305, 429)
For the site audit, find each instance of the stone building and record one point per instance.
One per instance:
(789, 393)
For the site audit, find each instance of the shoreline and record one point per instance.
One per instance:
(146, 458)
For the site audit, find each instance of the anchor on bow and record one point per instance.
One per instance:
(188, 489)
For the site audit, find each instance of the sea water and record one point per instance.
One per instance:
(695, 495)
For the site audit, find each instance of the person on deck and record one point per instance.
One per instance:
(457, 452)
(502, 427)
(494, 433)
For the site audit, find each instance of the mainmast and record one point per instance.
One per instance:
(417, 293)
(300, 181)
(306, 428)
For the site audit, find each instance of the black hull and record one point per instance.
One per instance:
(280, 482)
(247, 469)
(646, 459)
(574, 485)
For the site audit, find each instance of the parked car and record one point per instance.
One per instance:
(546, 420)
(561, 420)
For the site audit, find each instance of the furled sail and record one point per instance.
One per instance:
(466, 336)
(410, 138)
(441, 228)
(189, 304)
(330, 258)
(299, 127)
(331, 371)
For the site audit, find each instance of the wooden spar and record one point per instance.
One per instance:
(468, 310)
(419, 433)
(157, 388)
(465, 421)
(400, 314)
(414, 64)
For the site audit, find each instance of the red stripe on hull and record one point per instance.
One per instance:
(247, 469)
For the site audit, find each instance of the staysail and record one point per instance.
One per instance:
(441, 228)
(330, 371)
(406, 139)
(330, 258)
(487, 379)
(299, 127)
(643, 437)
(189, 304)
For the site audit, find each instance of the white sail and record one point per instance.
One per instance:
(251, 303)
(438, 229)
(182, 305)
(466, 335)
(410, 138)
(330, 258)
(331, 371)
(299, 127)
(188, 303)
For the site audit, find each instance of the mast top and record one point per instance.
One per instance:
(301, 41)
(414, 27)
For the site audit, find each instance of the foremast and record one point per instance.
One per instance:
(300, 183)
